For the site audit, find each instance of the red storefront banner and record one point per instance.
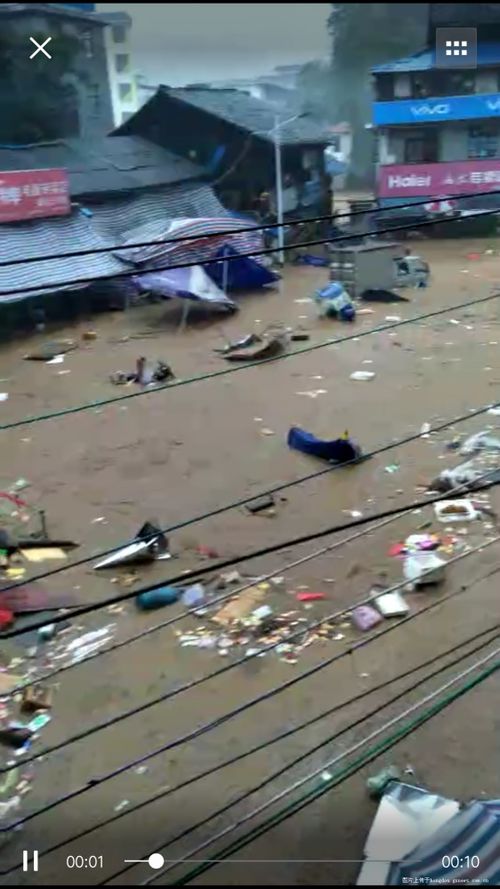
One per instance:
(438, 180)
(31, 194)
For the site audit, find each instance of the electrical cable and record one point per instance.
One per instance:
(215, 374)
(115, 276)
(234, 592)
(316, 772)
(243, 501)
(207, 727)
(183, 578)
(328, 217)
(335, 780)
(282, 568)
(263, 745)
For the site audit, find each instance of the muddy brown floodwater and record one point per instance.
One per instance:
(176, 454)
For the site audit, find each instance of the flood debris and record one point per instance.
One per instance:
(256, 347)
(36, 697)
(376, 784)
(157, 598)
(455, 511)
(144, 375)
(150, 544)
(339, 450)
(424, 569)
(333, 301)
(362, 376)
(266, 502)
(364, 617)
(48, 351)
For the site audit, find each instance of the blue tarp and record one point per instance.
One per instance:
(242, 273)
(340, 450)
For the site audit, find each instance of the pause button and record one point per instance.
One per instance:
(26, 860)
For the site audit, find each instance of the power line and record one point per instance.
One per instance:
(130, 639)
(295, 563)
(316, 772)
(207, 727)
(328, 217)
(350, 770)
(275, 739)
(104, 402)
(184, 578)
(243, 501)
(281, 736)
(264, 252)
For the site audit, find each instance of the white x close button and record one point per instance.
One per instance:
(40, 47)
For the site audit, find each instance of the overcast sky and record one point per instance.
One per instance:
(178, 43)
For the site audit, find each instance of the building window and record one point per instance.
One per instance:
(462, 83)
(121, 62)
(385, 87)
(482, 141)
(87, 44)
(421, 148)
(125, 91)
(421, 85)
(119, 33)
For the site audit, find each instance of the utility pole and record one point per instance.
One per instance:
(279, 190)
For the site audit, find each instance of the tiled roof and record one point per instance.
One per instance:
(251, 114)
(109, 164)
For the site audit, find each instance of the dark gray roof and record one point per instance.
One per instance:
(109, 164)
(59, 9)
(252, 115)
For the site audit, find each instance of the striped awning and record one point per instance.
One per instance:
(464, 850)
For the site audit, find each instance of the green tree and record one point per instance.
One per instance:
(364, 35)
(36, 104)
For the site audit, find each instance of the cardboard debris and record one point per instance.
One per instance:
(241, 607)
(8, 682)
(36, 697)
(42, 554)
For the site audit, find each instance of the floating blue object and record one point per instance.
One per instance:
(335, 302)
(340, 450)
(310, 259)
(163, 595)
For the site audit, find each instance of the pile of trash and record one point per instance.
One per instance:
(144, 375)
(481, 470)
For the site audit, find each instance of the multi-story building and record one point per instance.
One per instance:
(438, 129)
(122, 78)
(84, 83)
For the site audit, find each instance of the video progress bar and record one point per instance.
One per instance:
(258, 861)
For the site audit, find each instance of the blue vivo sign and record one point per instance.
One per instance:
(432, 110)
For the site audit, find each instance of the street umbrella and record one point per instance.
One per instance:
(464, 850)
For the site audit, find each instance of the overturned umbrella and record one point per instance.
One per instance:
(150, 544)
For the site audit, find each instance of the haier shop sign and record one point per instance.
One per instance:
(449, 108)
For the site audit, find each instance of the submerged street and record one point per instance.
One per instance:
(173, 455)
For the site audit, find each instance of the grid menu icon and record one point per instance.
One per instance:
(456, 48)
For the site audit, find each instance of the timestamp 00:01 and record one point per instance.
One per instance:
(79, 862)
